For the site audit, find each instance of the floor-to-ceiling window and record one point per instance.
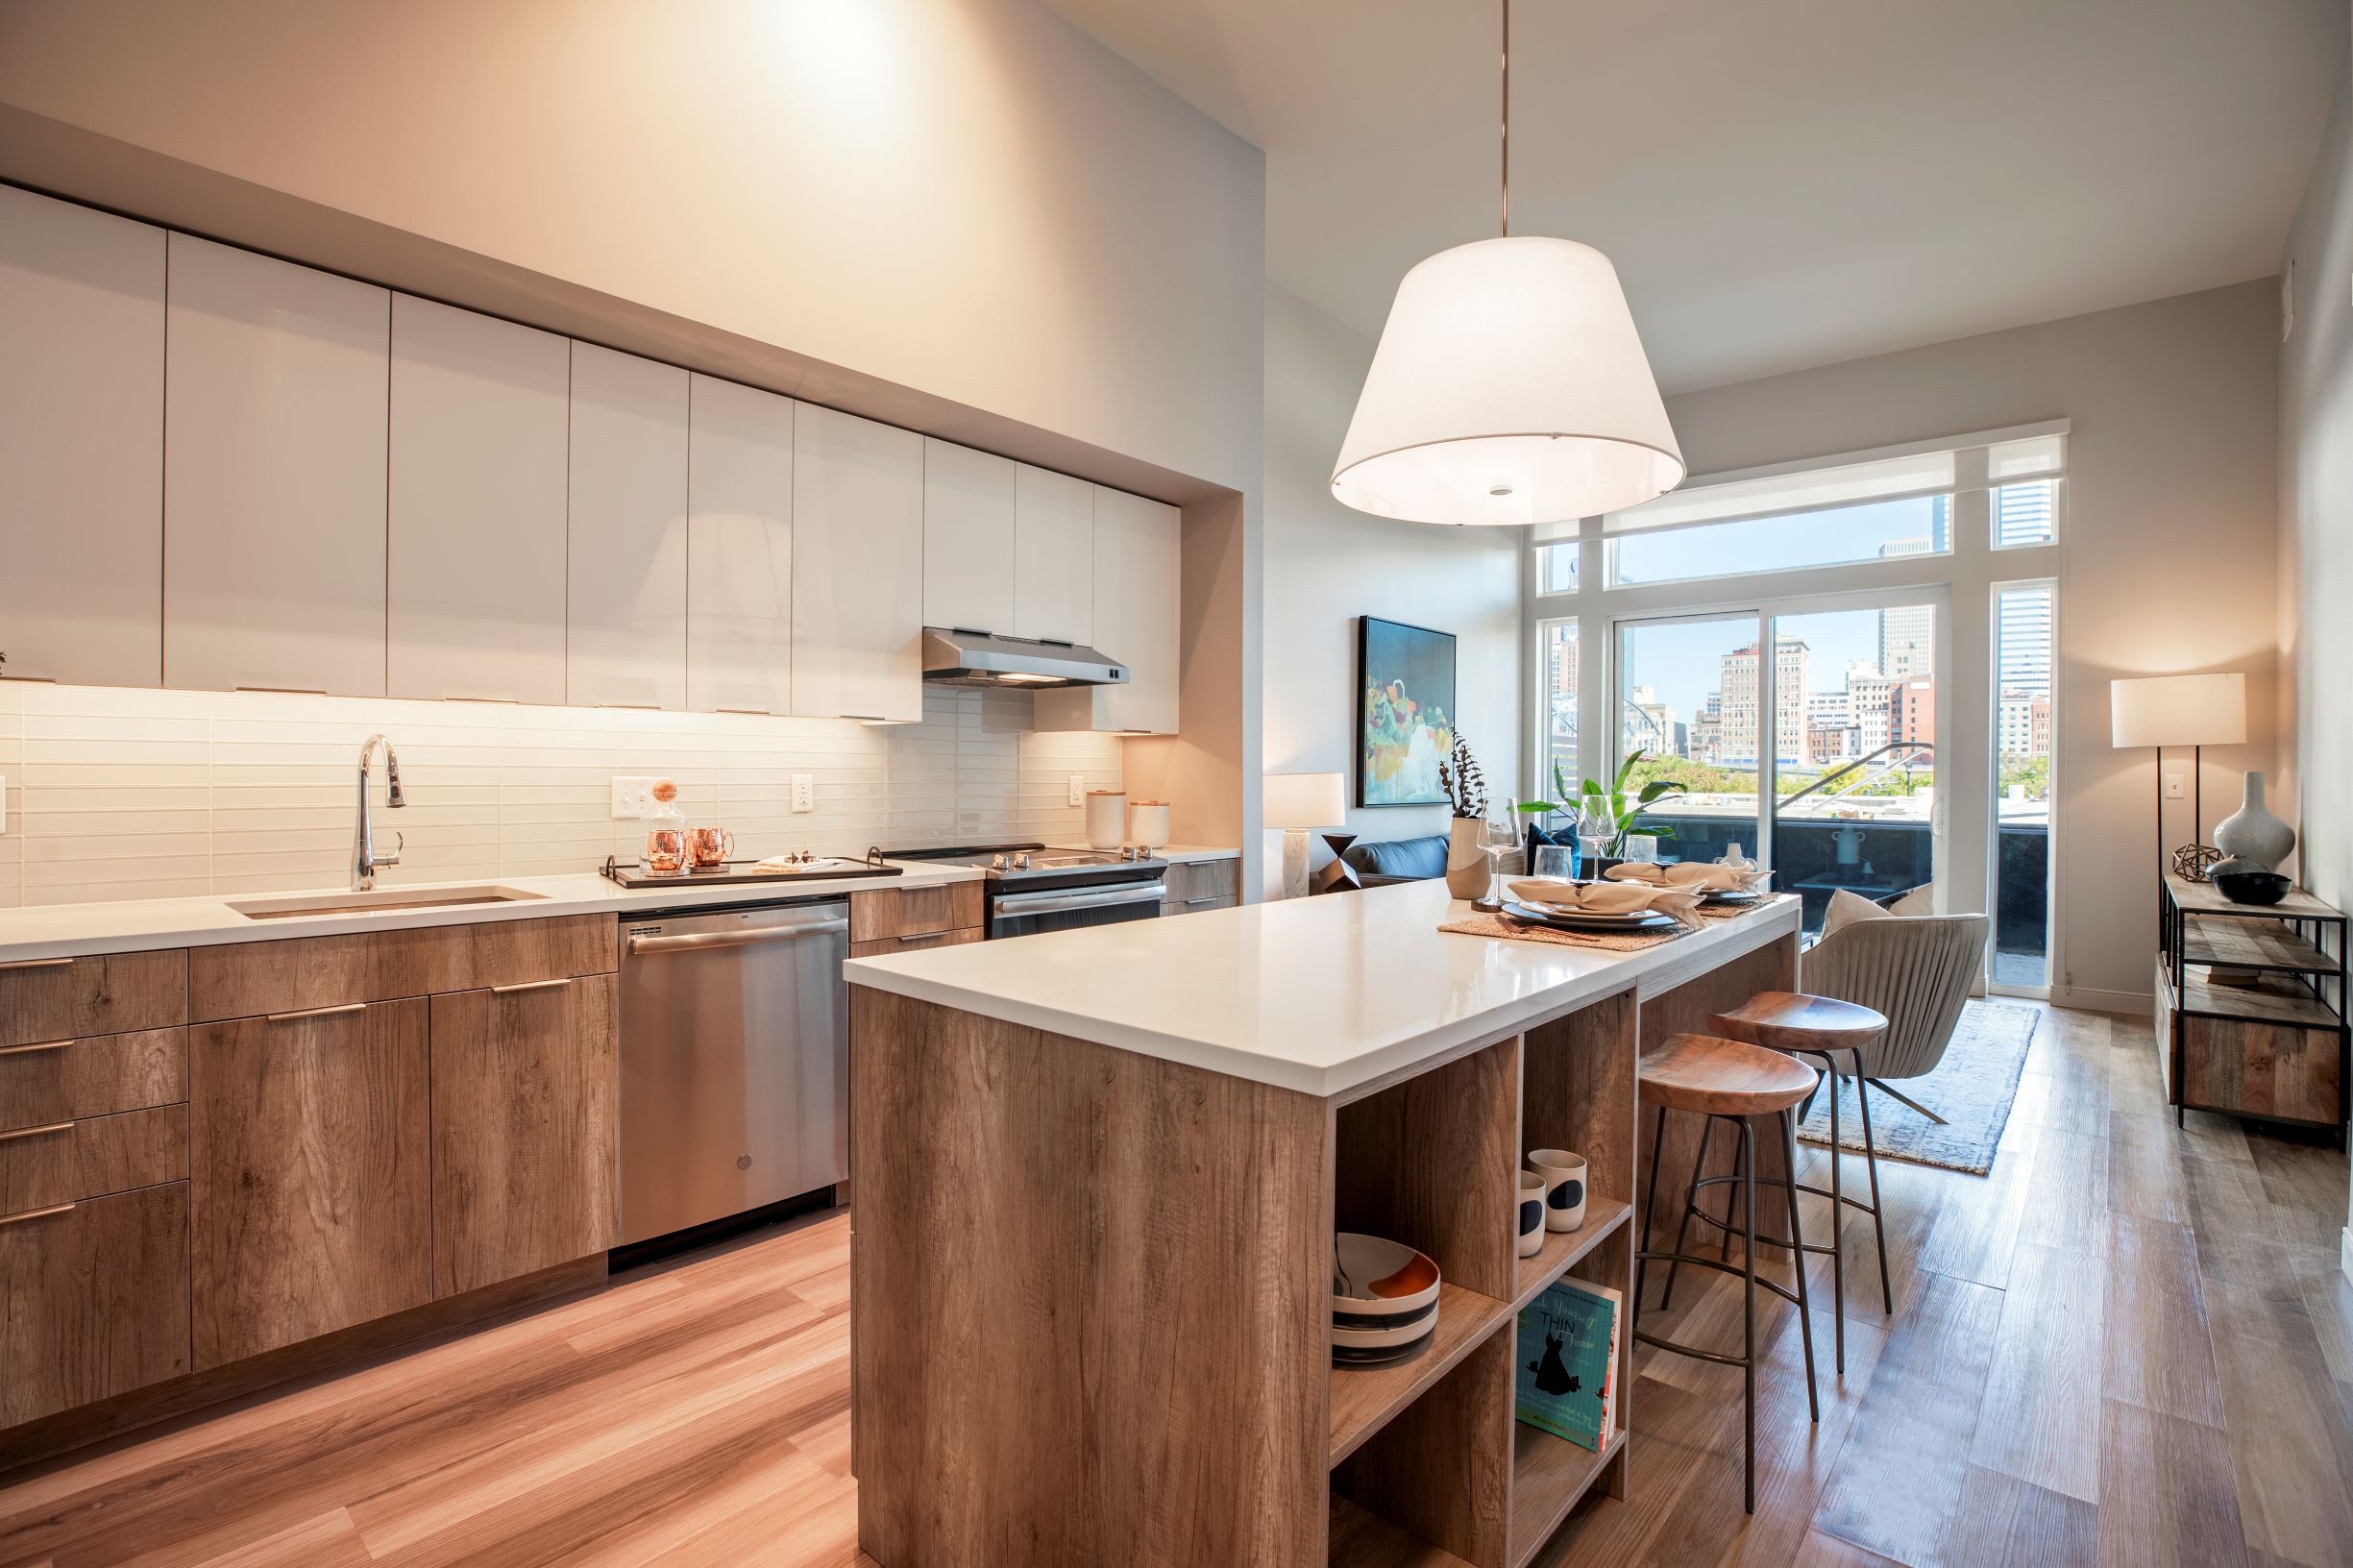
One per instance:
(1846, 662)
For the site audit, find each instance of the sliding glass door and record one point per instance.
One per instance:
(1692, 697)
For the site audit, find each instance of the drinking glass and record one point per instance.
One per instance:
(1498, 835)
(1642, 850)
(1555, 861)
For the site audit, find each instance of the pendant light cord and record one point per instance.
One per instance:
(1505, 203)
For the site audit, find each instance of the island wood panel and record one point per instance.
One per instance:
(106, 993)
(1432, 1161)
(889, 945)
(311, 1201)
(66, 1080)
(1149, 1386)
(886, 913)
(97, 1300)
(527, 1129)
(40, 1166)
(248, 978)
(1442, 1468)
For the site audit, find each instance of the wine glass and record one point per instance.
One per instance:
(1595, 829)
(1498, 835)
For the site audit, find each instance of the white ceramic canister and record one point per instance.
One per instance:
(1106, 819)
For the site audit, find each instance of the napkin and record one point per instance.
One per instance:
(1606, 897)
(1690, 875)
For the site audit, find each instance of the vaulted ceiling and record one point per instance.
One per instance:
(1781, 184)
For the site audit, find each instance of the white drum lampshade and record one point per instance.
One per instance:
(1509, 387)
(2178, 710)
(1295, 802)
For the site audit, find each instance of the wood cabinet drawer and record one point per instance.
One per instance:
(97, 1295)
(1201, 884)
(68, 1160)
(69, 1080)
(2268, 1069)
(108, 993)
(914, 911)
(253, 978)
(888, 945)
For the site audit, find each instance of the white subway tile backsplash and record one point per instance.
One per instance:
(119, 794)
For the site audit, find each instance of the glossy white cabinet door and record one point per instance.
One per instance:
(857, 568)
(626, 599)
(81, 444)
(1138, 590)
(274, 410)
(739, 551)
(968, 505)
(476, 544)
(1053, 558)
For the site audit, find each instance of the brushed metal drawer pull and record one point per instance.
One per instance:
(38, 1213)
(28, 1050)
(1206, 899)
(37, 1131)
(286, 691)
(318, 1013)
(530, 984)
(36, 964)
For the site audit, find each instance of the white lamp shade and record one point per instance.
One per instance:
(1509, 387)
(1306, 800)
(2178, 710)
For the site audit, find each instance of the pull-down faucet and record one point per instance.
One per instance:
(365, 861)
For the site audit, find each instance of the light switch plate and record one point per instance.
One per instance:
(1078, 788)
(804, 792)
(2176, 787)
(633, 796)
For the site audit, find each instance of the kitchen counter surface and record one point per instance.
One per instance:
(133, 925)
(1315, 994)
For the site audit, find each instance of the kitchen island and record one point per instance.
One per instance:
(1097, 1174)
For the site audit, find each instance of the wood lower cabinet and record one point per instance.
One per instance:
(527, 1129)
(97, 1300)
(886, 947)
(1194, 886)
(311, 1186)
(895, 914)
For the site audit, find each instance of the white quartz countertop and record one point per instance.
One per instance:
(1317, 994)
(76, 930)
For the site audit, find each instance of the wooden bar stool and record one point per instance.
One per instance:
(1818, 1027)
(1732, 1081)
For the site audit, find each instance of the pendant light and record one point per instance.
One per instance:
(1510, 386)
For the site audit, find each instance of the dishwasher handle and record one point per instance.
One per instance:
(1011, 905)
(706, 941)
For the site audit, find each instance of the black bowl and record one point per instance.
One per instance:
(2252, 886)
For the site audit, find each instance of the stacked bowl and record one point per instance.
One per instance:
(1384, 1300)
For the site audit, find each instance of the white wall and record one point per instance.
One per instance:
(1325, 565)
(117, 794)
(2168, 552)
(2316, 524)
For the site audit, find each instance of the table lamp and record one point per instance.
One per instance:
(2196, 711)
(1296, 802)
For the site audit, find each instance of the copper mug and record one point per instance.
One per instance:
(709, 846)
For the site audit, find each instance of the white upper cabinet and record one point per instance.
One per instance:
(474, 553)
(81, 444)
(625, 600)
(273, 414)
(857, 568)
(1053, 557)
(739, 551)
(1138, 585)
(969, 509)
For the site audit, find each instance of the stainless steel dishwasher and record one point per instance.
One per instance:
(734, 1061)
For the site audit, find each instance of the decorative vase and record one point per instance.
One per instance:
(1467, 859)
(1106, 819)
(2253, 833)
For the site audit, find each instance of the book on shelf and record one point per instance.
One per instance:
(1568, 1361)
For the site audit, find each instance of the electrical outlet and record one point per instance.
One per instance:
(2176, 787)
(804, 793)
(1078, 788)
(633, 796)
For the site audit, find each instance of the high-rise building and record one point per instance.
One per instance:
(1829, 723)
(1912, 712)
(1907, 632)
(1740, 737)
(2023, 730)
(1868, 699)
(2023, 640)
(1651, 725)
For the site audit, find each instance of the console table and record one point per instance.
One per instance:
(2274, 1049)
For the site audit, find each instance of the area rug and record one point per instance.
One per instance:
(1972, 1089)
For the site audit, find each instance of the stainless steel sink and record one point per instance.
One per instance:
(382, 900)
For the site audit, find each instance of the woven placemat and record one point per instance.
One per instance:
(1495, 925)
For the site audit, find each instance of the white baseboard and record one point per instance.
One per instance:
(2086, 998)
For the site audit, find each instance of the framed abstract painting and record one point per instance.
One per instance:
(1404, 712)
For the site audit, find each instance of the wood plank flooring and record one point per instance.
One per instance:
(2129, 1345)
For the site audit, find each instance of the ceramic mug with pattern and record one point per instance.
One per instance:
(1564, 1188)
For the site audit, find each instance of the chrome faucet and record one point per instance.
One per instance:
(365, 861)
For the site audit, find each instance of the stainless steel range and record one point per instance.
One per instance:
(1032, 888)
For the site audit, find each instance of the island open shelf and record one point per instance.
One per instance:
(1092, 1276)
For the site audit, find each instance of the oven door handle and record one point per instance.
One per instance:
(1010, 905)
(707, 940)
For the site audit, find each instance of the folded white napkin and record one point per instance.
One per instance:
(1696, 876)
(1606, 897)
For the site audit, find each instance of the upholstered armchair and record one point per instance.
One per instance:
(1917, 970)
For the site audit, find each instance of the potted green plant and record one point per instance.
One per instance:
(1613, 805)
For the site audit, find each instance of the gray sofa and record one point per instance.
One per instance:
(1384, 861)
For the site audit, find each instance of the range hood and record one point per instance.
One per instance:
(956, 657)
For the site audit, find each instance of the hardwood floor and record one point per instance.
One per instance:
(2129, 1345)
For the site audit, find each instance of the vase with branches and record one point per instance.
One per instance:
(1467, 867)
